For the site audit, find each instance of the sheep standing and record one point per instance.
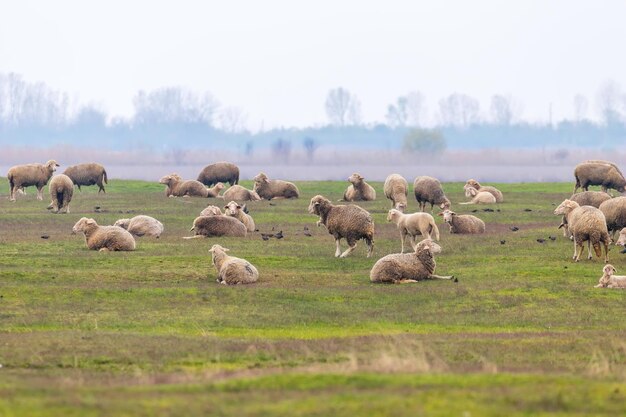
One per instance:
(586, 224)
(401, 268)
(472, 183)
(609, 280)
(359, 190)
(211, 211)
(614, 211)
(177, 187)
(233, 209)
(88, 174)
(104, 238)
(344, 221)
(396, 189)
(603, 173)
(269, 189)
(239, 193)
(232, 270)
(61, 190)
(479, 197)
(219, 172)
(141, 226)
(463, 223)
(21, 176)
(217, 226)
(413, 225)
(429, 190)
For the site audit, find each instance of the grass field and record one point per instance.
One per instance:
(150, 333)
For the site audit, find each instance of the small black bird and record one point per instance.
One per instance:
(307, 233)
(279, 235)
(540, 240)
(552, 238)
(527, 209)
(265, 236)
(488, 210)
(45, 236)
(623, 250)
(514, 228)
(502, 242)
(475, 211)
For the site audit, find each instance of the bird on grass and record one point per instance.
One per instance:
(514, 228)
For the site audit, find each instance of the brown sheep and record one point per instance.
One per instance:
(396, 189)
(177, 187)
(219, 172)
(472, 183)
(21, 176)
(429, 190)
(61, 190)
(464, 223)
(359, 190)
(602, 173)
(104, 238)
(586, 224)
(88, 174)
(614, 211)
(239, 193)
(216, 226)
(269, 189)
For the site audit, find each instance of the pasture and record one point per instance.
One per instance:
(150, 332)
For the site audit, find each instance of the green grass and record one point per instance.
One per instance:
(523, 332)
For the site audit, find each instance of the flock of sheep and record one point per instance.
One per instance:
(589, 216)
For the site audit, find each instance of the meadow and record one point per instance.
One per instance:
(150, 332)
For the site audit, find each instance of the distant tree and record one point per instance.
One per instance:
(174, 105)
(281, 148)
(342, 107)
(428, 142)
(610, 101)
(233, 119)
(407, 111)
(504, 109)
(459, 110)
(310, 146)
(90, 116)
(581, 104)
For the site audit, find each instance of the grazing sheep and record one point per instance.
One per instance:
(621, 241)
(614, 211)
(211, 211)
(586, 224)
(61, 190)
(472, 183)
(176, 187)
(479, 197)
(88, 174)
(359, 190)
(608, 280)
(141, 226)
(239, 193)
(396, 189)
(216, 226)
(402, 268)
(104, 238)
(21, 176)
(413, 225)
(590, 198)
(219, 172)
(429, 190)
(231, 270)
(344, 221)
(269, 189)
(603, 173)
(463, 223)
(233, 209)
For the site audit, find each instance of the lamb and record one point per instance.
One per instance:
(234, 210)
(21, 176)
(413, 225)
(219, 172)
(141, 226)
(614, 211)
(429, 190)
(479, 197)
(463, 223)
(621, 241)
(88, 174)
(396, 189)
(268, 189)
(232, 270)
(586, 224)
(239, 193)
(359, 190)
(472, 183)
(608, 280)
(344, 221)
(217, 226)
(402, 268)
(104, 238)
(211, 211)
(61, 190)
(176, 187)
(603, 173)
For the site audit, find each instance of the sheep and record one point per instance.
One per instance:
(402, 268)
(472, 183)
(21, 176)
(621, 241)
(88, 174)
(219, 172)
(176, 187)
(61, 190)
(590, 198)
(217, 226)
(608, 280)
(239, 193)
(586, 224)
(463, 223)
(141, 226)
(614, 211)
(396, 189)
(413, 225)
(269, 189)
(232, 270)
(429, 190)
(104, 238)
(603, 173)
(344, 221)
(233, 209)
(479, 197)
(359, 190)
(211, 211)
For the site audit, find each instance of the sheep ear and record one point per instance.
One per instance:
(238, 206)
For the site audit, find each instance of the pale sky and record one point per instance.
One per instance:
(278, 59)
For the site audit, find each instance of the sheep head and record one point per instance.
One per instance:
(123, 223)
(52, 165)
(232, 208)
(566, 207)
(401, 207)
(621, 241)
(447, 215)
(219, 186)
(470, 191)
(393, 214)
(472, 183)
(446, 204)
(211, 211)
(355, 178)
(261, 178)
(83, 225)
(218, 248)
(316, 203)
(427, 245)
(168, 179)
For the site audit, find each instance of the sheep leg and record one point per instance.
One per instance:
(349, 250)
(580, 246)
(105, 249)
(433, 276)
(338, 251)
(402, 237)
(405, 281)
(194, 237)
(589, 254)
(39, 193)
(606, 252)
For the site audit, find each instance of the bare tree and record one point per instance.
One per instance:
(233, 119)
(174, 105)
(408, 110)
(581, 104)
(459, 110)
(342, 107)
(609, 101)
(504, 109)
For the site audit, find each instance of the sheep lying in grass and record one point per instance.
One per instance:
(463, 223)
(621, 240)
(239, 193)
(429, 190)
(586, 224)
(413, 225)
(344, 221)
(269, 189)
(401, 268)
(479, 197)
(608, 280)
(61, 190)
(231, 270)
(104, 238)
(211, 211)
(359, 190)
(216, 226)
(396, 189)
(21, 176)
(233, 209)
(177, 187)
(141, 226)
(472, 183)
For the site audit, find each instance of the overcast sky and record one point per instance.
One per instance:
(278, 59)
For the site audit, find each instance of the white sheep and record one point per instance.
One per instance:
(235, 210)
(396, 189)
(211, 210)
(359, 190)
(413, 225)
(479, 197)
(21, 176)
(621, 240)
(608, 280)
(586, 224)
(232, 270)
(104, 238)
(61, 190)
(141, 226)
